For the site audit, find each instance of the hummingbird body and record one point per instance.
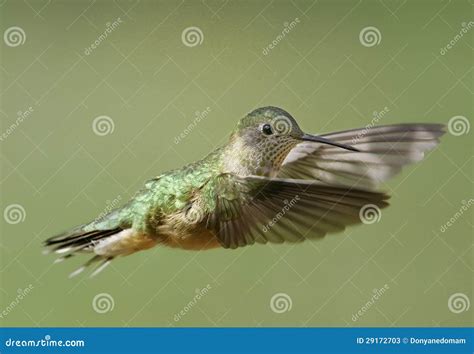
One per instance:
(269, 170)
(164, 211)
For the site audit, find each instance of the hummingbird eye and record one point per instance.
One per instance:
(267, 129)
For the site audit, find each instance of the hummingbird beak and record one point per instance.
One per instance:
(319, 139)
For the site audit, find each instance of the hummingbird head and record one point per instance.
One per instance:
(265, 136)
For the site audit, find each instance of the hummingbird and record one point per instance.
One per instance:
(269, 183)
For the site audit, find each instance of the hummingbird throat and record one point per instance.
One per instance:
(263, 158)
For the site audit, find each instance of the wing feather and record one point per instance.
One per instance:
(265, 210)
(383, 151)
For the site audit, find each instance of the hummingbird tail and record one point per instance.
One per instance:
(104, 244)
(78, 240)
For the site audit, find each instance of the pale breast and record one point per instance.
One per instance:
(202, 240)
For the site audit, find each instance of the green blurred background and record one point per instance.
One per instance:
(58, 172)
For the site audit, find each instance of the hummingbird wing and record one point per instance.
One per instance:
(258, 209)
(383, 151)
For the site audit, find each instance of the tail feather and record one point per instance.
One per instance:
(78, 240)
(104, 262)
(84, 266)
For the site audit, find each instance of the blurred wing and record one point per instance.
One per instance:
(384, 150)
(257, 209)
